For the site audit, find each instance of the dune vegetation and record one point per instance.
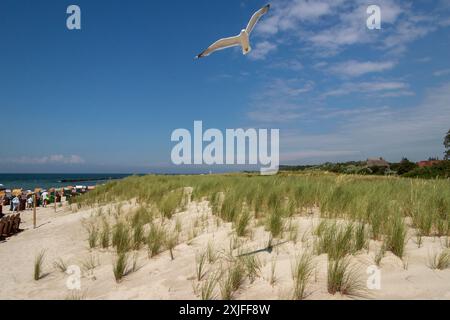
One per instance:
(354, 210)
(377, 202)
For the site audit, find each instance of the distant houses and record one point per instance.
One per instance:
(377, 162)
(428, 163)
(381, 163)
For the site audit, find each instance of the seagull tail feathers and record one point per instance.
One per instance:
(200, 55)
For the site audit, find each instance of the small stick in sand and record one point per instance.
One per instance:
(34, 210)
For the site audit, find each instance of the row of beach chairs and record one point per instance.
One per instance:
(9, 225)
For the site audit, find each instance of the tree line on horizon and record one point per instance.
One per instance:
(404, 168)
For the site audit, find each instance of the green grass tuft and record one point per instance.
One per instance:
(200, 260)
(396, 237)
(38, 265)
(344, 278)
(274, 223)
(120, 266)
(155, 240)
(302, 270)
(121, 238)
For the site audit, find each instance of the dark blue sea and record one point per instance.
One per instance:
(31, 181)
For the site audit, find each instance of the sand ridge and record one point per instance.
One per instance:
(63, 236)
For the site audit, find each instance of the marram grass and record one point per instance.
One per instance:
(38, 265)
(302, 269)
(439, 261)
(376, 205)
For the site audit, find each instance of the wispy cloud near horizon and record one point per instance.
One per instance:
(51, 159)
(388, 132)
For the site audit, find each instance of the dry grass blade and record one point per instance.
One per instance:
(200, 271)
(208, 287)
(439, 261)
(60, 265)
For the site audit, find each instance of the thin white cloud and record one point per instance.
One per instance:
(51, 159)
(287, 87)
(288, 101)
(262, 50)
(323, 154)
(287, 14)
(445, 22)
(368, 87)
(423, 59)
(274, 102)
(328, 113)
(289, 64)
(275, 113)
(442, 72)
(353, 68)
(407, 31)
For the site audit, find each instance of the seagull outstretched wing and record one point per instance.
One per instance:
(255, 18)
(219, 45)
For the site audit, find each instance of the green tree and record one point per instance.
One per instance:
(447, 146)
(405, 166)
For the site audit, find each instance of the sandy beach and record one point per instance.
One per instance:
(63, 236)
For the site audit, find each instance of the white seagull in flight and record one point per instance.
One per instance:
(240, 40)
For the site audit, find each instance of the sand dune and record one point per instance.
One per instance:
(62, 235)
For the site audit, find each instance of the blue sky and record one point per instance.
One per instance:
(107, 98)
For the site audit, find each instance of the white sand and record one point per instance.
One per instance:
(62, 235)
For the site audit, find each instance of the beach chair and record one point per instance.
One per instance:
(16, 223)
(23, 203)
(6, 200)
(2, 226)
(7, 227)
(11, 224)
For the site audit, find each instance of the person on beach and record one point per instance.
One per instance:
(30, 202)
(15, 203)
(44, 198)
